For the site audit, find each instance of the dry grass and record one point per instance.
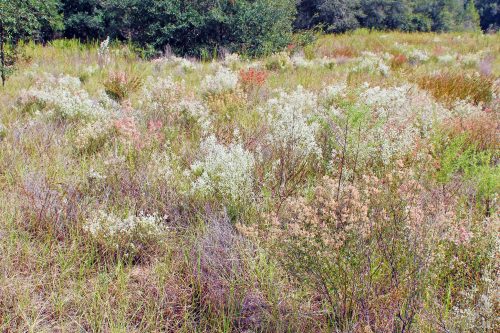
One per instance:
(450, 86)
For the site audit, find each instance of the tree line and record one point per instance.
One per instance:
(253, 27)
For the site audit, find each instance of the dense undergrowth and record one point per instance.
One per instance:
(350, 185)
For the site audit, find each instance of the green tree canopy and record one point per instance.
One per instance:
(25, 19)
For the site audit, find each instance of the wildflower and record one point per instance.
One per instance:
(446, 58)
(108, 225)
(371, 63)
(223, 81)
(224, 170)
(418, 56)
(103, 57)
(129, 130)
(129, 235)
(232, 60)
(253, 78)
(291, 127)
(64, 98)
(93, 135)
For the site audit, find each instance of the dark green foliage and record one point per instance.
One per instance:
(334, 15)
(191, 27)
(384, 14)
(255, 27)
(405, 15)
(471, 17)
(262, 26)
(84, 19)
(25, 19)
(489, 11)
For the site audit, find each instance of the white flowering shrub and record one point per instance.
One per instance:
(93, 136)
(418, 56)
(232, 60)
(159, 95)
(223, 81)
(103, 54)
(299, 61)
(194, 111)
(127, 236)
(402, 114)
(465, 108)
(332, 94)
(471, 59)
(168, 100)
(446, 58)
(63, 98)
(289, 117)
(371, 63)
(289, 149)
(224, 171)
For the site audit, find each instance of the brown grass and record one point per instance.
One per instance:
(450, 86)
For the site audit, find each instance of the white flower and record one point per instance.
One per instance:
(64, 98)
(193, 109)
(93, 134)
(291, 126)
(279, 61)
(232, 60)
(223, 169)
(418, 56)
(299, 61)
(401, 115)
(371, 63)
(2, 131)
(446, 58)
(223, 81)
(107, 225)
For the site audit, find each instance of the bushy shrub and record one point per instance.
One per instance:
(346, 244)
(223, 172)
(119, 85)
(194, 27)
(278, 61)
(129, 237)
(63, 98)
(223, 81)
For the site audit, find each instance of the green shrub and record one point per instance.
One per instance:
(253, 27)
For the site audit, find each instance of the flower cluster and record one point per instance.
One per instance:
(160, 95)
(222, 82)
(3, 131)
(103, 56)
(232, 60)
(64, 98)
(403, 114)
(418, 56)
(108, 225)
(253, 78)
(225, 171)
(372, 63)
(126, 236)
(93, 135)
(291, 128)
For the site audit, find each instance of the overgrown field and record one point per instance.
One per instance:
(349, 185)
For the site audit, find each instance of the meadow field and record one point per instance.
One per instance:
(346, 184)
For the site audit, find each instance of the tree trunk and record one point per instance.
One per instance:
(2, 53)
